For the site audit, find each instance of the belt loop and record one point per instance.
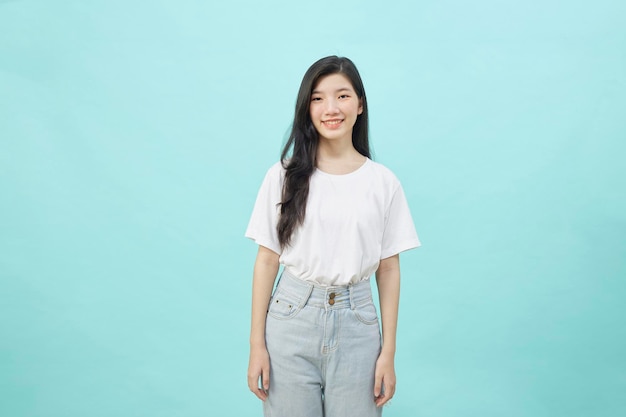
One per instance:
(351, 290)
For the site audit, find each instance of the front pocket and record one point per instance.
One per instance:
(283, 306)
(366, 313)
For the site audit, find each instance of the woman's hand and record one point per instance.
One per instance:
(388, 280)
(259, 368)
(265, 269)
(385, 376)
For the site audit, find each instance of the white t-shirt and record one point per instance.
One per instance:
(352, 221)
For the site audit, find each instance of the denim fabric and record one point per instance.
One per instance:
(323, 344)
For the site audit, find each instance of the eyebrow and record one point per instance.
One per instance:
(336, 91)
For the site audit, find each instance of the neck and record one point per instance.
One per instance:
(337, 158)
(336, 150)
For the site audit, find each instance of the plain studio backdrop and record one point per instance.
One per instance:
(134, 136)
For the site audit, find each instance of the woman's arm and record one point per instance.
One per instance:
(388, 281)
(265, 270)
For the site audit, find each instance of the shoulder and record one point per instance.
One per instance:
(384, 173)
(276, 171)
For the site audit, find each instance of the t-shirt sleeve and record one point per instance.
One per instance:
(399, 234)
(262, 225)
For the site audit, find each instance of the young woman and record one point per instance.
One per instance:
(332, 217)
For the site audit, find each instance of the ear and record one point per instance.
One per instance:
(360, 107)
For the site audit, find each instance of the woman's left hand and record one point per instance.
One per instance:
(384, 379)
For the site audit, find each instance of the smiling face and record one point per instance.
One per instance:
(334, 107)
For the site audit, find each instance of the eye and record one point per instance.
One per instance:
(316, 99)
(343, 96)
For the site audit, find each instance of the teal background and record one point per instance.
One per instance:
(134, 136)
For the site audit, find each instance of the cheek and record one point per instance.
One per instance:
(314, 113)
(353, 110)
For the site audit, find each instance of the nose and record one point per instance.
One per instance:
(331, 106)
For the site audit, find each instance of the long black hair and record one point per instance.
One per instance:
(300, 152)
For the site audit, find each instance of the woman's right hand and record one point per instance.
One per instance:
(259, 369)
(265, 270)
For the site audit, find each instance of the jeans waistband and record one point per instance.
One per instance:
(330, 297)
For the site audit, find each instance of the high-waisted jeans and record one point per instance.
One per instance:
(323, 344)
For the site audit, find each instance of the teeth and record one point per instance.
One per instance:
(333, 122)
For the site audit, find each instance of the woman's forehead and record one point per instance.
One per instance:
(333, 83)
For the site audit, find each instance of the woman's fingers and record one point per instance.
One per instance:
(385, 397)
(384, 380)
(383, 391)
(378, 385)
(266, 376)
(259, 373)
(261, 394)
(253, 384)
(379, 395)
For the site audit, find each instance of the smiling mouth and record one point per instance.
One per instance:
(332, 123)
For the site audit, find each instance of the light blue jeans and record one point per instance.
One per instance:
(323, 344)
